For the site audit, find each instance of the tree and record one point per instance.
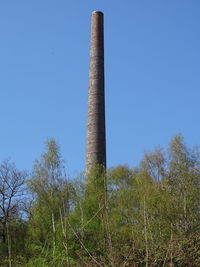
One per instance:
(12, 183)
(146, 216)
(51, 193)
(183, 183)
(155, 164)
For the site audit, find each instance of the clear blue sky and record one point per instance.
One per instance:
(152, 60)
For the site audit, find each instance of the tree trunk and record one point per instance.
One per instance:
(9, 245)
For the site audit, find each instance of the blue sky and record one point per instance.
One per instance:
(152, 64)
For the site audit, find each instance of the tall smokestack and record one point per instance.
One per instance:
(96, 134)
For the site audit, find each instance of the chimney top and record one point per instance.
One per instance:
(96, 11)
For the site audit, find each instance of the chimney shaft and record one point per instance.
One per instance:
(96, 135)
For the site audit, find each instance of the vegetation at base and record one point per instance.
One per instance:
(144, 216)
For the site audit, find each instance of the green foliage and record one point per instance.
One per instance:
(147, 216)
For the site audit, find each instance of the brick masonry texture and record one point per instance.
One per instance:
(96, 132)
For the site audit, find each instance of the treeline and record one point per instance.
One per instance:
(146, 216)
